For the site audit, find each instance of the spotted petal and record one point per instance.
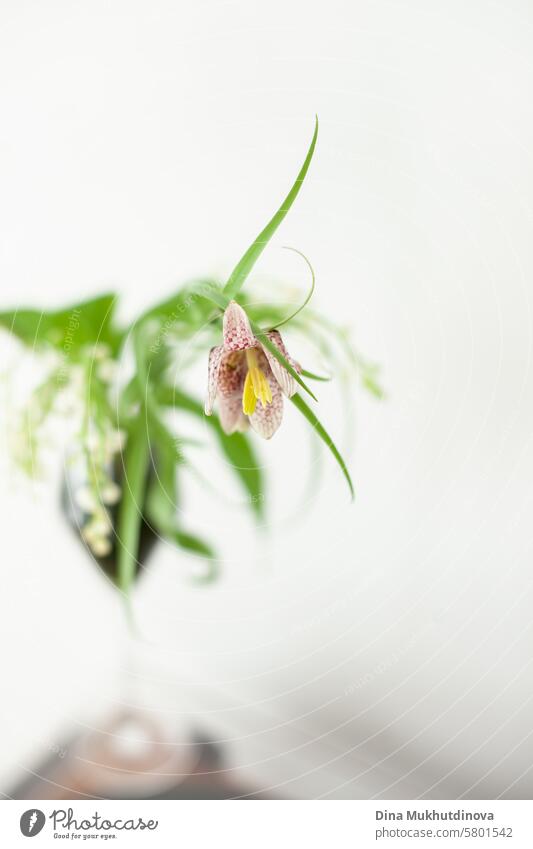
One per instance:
(236, 327)
(285, 380)
(266, 420)
(213, 368)
(231, 415)
(232, 373)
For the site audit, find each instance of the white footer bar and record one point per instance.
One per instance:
(268, 824)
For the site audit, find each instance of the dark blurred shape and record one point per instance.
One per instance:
(93, 768)
(76, 518)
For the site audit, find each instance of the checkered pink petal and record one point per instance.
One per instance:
(228, 367)
(232, 374)
(266, 420)
(285, 380)
(213, 368)
(231, 415)
(236, 328)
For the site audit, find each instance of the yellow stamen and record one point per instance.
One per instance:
(256, 386)
(248, 396)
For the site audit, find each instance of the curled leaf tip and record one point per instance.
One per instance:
(309, 294)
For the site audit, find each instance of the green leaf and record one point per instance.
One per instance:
(160, 502)
(241, 457)
(129, 518)
(150, 363)
(372, 386)
(370, 377)
(245, 265)
(311, 376)
(128, 402)
(162, 498)
(140, 342)
(163, 449)
(266, 315)
(306, 411)
(69, 329)
(236, 447)
(213, 293)
(263, 338)
(191, 305)
(193, 543)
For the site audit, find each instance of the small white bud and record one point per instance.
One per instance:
(99, 525)
(115, 441)
(85, 499)
(92, 440)
(101, 546)
(110, 493)
(99, 352)
(107, 371)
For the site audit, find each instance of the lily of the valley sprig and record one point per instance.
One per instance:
(126, 496)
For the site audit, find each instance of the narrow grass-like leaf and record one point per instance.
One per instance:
(264, 340)
(210, 291)
(373, 386)
(306, 411)
(181, 306)
(162, 496)
(130, 509)
(161, 512)
(245, 265)
(309, 295)
(311, 376)
(236, 446)
(241, 458)
(193, 543)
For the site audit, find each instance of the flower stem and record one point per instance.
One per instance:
(136, 458)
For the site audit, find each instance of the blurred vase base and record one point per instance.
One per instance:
(132, 757)
(134, 754)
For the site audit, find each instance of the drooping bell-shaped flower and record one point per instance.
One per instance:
(247, 378)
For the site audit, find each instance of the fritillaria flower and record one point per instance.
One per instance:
(248, 379)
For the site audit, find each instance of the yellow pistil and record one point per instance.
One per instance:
(256, 386)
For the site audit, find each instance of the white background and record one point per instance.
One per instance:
(375, 649)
